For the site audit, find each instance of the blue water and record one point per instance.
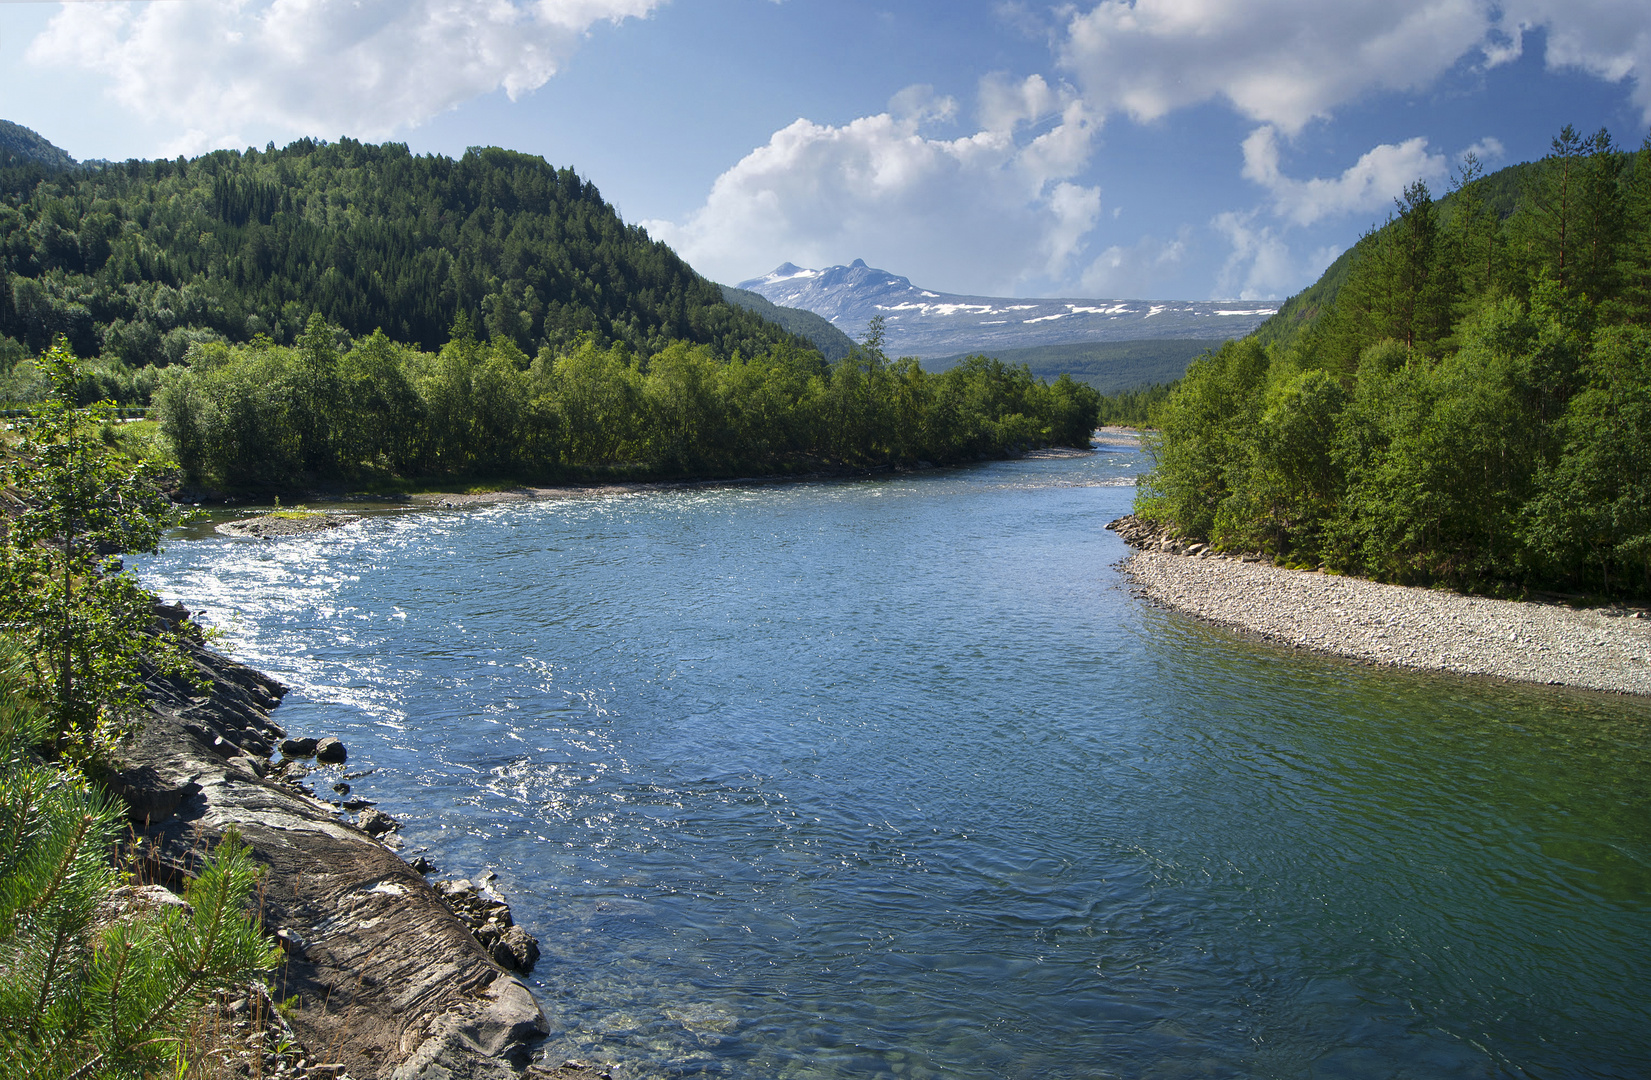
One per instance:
(894, 778)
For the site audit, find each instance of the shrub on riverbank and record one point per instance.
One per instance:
(1471, 409)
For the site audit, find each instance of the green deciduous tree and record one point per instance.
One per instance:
(1471, 410)
(1593, 510)
(76, 503)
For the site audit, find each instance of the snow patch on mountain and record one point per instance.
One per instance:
(924, 323)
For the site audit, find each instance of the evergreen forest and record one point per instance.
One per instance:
(1463, 400)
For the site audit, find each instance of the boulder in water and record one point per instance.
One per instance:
(297, 748)
(330, 751)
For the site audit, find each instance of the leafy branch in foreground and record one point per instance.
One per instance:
(75, 502)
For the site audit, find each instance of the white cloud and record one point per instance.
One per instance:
(1610, 39)
(982, 212)
(1139, 269)
(921, 104)
(1262, 266)
(1006, 104)
(1370, 183)
(358, 67)
(1486, 150)
(1258, 267)
(1285, 62)
(1281, 62)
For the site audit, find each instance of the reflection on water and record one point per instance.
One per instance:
(893, 778)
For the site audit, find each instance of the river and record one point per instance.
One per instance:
(893, 777)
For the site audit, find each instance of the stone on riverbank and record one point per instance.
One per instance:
(376, 823)
(299, 748)
(517, 950)
(482, 909)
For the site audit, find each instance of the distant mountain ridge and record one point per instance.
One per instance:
(923, 323)
(17, 141)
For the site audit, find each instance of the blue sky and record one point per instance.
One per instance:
(1160, 149)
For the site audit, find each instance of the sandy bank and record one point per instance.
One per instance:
(1112, 435)
(1599, 649)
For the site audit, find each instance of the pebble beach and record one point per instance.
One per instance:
(1597, 649)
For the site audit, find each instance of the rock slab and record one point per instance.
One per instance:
(389, 982)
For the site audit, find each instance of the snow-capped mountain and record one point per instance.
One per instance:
(918, 322)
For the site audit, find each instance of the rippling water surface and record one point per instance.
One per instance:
(894, 778)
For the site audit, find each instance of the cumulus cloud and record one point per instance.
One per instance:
(1370, 183)
(1137, 269)
(1488, 149)
(1281, 62)
(1610, 39)
(1262, 265)
(982, 212)
(1286, 62)
(359, 67)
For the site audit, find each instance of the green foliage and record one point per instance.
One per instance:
(1205, 430)
(143, 261)
(1133, 408)
(90, 990)
(267, 414)
(78, 502)
(1593, 509)
(1471, 408)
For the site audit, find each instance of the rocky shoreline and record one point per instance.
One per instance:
(1606, 648)
(392, 979)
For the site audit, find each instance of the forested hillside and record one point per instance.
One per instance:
(1471, 406)
(814, 329)
(18, 143)
(1496, 195)
(136, 262)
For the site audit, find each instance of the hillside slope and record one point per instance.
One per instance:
(832, 342)
(1465, 399)
(20, 143)
(1108, 366)
(1498, 193)
(144, 258)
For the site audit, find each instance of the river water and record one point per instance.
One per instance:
(894, 778)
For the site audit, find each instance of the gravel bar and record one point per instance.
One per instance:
(1599, 649)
